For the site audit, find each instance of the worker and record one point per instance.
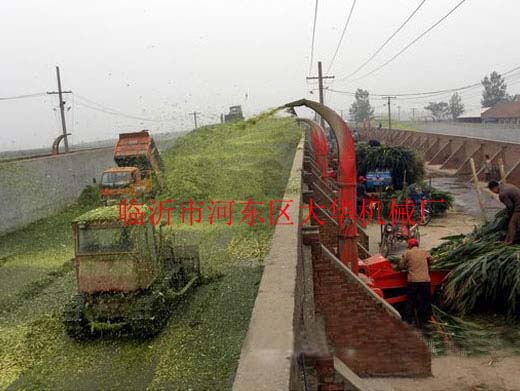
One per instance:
(416, 261)
(355, 136)
(361, 191)
(487, 168)
(509, 195)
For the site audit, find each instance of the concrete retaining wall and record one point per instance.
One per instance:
(32, 189)
(454, 152)
(498, 132)
(267, 360)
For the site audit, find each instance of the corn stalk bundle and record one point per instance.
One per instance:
(484, 271)
(434, 194)
(399, 160)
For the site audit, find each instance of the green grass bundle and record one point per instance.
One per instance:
(434, 194)
(484, 271)
(399, 160)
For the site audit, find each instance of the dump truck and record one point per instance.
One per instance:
(139, 168)
(128, 277)
(235, 114)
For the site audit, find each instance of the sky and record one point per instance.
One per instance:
(161, 60)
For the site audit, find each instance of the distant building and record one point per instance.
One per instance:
(503, 113)
(473, 116)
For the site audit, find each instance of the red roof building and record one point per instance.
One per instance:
(505, 112)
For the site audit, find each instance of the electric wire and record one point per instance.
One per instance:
(24, 96)
(313, 35)
(506, 75)
(412, 42)
(385, 43)
(89, 103)
(342, 36)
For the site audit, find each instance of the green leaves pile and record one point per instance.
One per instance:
(484, 271)
(396, 159)
(400, 196)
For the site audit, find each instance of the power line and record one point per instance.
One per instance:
(24, 96)
(506, 74)
(313, 35)
(342, 36)
(413, 42)
(386, 42)
(102, 108)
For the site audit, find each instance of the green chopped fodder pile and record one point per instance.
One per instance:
(200, 347)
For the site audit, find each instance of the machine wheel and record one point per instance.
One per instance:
(427, 217)
(76, 325)
(384, 247)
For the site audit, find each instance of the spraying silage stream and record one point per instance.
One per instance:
(200, 346)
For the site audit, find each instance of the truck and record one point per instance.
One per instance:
(235, 114)
(139, 168)
(128, 277)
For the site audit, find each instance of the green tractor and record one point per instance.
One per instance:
(128, 277)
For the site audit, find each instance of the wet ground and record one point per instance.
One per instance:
(461, 218)
(465, 195)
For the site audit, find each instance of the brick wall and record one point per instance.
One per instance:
(360, 329)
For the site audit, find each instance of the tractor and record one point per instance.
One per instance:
(128, 277)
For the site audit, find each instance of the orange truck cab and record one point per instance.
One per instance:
(139, 171)
(128, 182)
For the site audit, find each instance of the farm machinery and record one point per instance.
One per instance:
(128, 277)
(376, 271)
(139, 168)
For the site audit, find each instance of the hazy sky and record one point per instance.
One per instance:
(164, 59)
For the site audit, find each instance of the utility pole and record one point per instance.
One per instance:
(62, 108)
(388, 98)
(195, 113)
(413, 114)
(320, 79)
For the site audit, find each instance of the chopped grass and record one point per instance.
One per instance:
(199, 349)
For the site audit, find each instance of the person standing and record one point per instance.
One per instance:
(509, 195)
(488, 168)
(416, 262)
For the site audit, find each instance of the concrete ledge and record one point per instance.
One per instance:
(267, 357)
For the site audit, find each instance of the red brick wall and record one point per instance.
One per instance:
(360, 331)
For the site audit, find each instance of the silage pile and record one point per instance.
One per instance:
(484, 271)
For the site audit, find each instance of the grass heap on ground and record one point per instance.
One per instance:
(200, 347)
(484, 271)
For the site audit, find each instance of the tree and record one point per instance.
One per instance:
(361, 110)
(439, 110)
(456, 107)
(495, 90)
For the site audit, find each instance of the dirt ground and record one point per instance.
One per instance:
(497, 371)
(453, 223)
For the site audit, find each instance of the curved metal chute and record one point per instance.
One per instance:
(346, 179)
(319, 145)
(56, 143)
